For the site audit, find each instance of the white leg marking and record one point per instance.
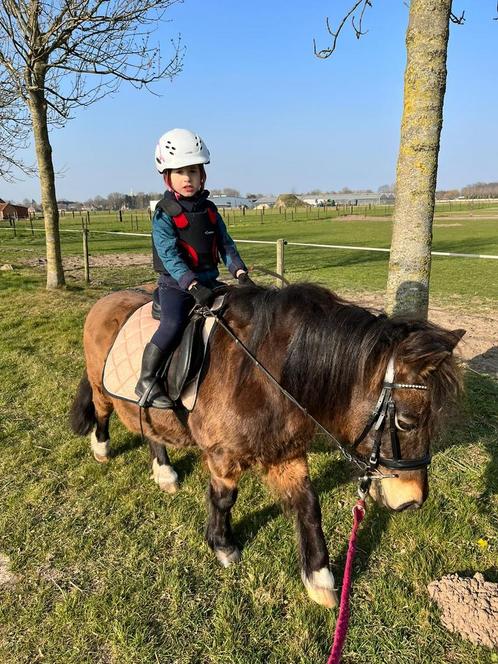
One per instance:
(101, 451)
(320, 587)
(227, 559)
(165, 477)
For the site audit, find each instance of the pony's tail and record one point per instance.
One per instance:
(82, 415)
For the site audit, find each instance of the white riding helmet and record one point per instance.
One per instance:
(178, 148)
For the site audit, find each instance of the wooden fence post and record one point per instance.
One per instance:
(280, 262)
(86, 262)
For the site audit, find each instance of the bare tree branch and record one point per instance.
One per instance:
(358, 28)
(459, 20)
(14, 132)
(50, 50)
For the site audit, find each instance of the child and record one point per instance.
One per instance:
(188, 236)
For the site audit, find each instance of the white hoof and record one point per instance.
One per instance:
(227, 559)
(320, 587)
(165, 477)
(101, 451)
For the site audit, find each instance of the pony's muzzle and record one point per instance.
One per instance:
(408, 491)
(410, 505)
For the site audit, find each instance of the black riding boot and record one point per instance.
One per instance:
(150, 388)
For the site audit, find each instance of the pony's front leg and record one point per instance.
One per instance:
(163, 472)
(222, 494)
(291, 481)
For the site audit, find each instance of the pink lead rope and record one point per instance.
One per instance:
(341, 626)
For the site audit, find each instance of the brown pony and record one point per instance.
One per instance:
(332, 356)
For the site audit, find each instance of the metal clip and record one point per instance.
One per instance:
(363, 486)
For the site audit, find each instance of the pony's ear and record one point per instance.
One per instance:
(425, 352)
(428, 365)
(458, 334)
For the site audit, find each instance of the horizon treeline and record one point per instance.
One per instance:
(140, 200)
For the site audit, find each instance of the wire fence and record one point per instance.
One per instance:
(279, 245)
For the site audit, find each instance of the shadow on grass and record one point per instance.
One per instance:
(335, 473)
(490, 574)
(127, 443)
(369, 539)
(184, 465)
(477, 420)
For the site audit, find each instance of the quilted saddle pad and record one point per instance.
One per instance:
(124, 361)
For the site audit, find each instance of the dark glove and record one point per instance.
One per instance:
(203, 295)
(245, 280)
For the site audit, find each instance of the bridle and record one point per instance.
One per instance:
(384, 411)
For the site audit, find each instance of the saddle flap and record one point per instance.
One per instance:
(186, 359)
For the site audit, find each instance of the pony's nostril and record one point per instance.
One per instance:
(411, 505)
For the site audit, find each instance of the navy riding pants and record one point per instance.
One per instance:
(175, 307)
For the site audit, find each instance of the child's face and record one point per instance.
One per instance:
(186, 181)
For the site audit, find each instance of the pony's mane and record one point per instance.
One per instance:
(335, 345)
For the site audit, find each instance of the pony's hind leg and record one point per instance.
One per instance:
(162, 471)
(99, 439)
(222, 495)
(292, 482)
(90, 414)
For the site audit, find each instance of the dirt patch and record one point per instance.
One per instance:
(7, 578)
(469, 607)
(361, 217)
(479, 347)
(71, 263)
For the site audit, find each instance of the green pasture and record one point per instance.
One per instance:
(111, 571)
(461, 280)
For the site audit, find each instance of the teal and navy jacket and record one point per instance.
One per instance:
(171, 251)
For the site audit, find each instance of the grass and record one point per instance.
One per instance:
(465, 281)
(113, 571)
(110, 570)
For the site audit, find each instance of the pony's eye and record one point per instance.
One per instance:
(405, 423)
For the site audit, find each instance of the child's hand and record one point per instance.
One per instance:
(244, 279)
(202, 295)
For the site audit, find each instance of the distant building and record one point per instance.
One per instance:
(231, 201)
(9, 211)
(351, 198)
(265, 202)
(65, 205)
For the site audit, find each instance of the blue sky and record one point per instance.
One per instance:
(275, 117)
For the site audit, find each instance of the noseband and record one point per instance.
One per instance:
(384, 414)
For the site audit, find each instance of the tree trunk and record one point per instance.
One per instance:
(425, 84)
(38, 110)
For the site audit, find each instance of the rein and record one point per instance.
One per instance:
(385, 409)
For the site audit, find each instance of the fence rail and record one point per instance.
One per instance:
(279, 244)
